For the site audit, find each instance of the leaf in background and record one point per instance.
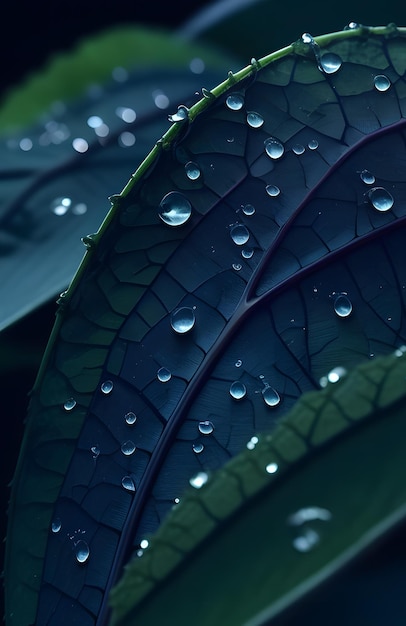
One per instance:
(256, 253)
(56, 176)
(279, 518)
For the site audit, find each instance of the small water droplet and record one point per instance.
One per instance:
(82, 551)
(380, 198)
(95, 450)
(352, 26)
(163, 375)
(367, 177)
(107, 387)
(313, 144)
(238, 363)
(271, 396)
(382, 82)
(273, 191)
(272, 468)
(175, 209)
(248, 209)
(144, 543)
(183, 320)
(307, 38)
(60, 206)
(274, 148)
(56, 525)
(235, 101)
(199, 480)
(255, 120)
(206, 427)
(130, 418)
(330, 63)
(197, 448)
(127, 114)
(69, 404)
(298, 149)
(247, 253)
(80, 145)
(237, 267)
(342, 305)
(128, 447)
(252, 442)
(192, 170)
(239, 234)
(128, 483)
(307, 541)
(309, 514)
(237, 390)
(180, 115)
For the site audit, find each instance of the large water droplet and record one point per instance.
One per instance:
(382, 82)
(82, 551)
(298, 149)
(308, 514)
(163, 375)
(247, 253)
(248, 209)
(175, 209)
(128, 483)
(274, 148)
(307, 541)
(235, 101)
(367, 177)
(56, 525)
(206, 427)
(273, 191)
(330, 63)
(183, 319)
(60, 206)
(380, 198)
(107, 387)
(255, 120)
(237, 390)
(239, 234)
(130, 418)
(313, 144)
(180, 115)
(271, 396)
(192, 170)
(272, 468)
(128, 447)
(197, 448)
(69, 404)
(199, 480)
(342, 305)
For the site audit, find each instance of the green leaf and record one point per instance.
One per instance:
(281, 518)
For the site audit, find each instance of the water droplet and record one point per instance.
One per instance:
(80, 145)
(255, 120)
(183, 320)
(25, 144)
(107, 387)
(252, 442)
(180, 115)
(60, 206)
(56, 525)
(127, 114)
(272, 468)
(342, 305)
(130, 418)
(175, 209)
(237, 267)
(199, 480)
(274, 148)
(235, 101)
(352, 26)
(309, 514)
(380, 198)
(206, 427)
(313, 144)
(128, 447)
(163, 375)
(198, 448)
(126, 139)
(336, 374)
(95, 450)
(144, 544)
(239, 234)
(197, 66)
(307, 541)
(330, 63)
(82, 551)
(238, 363)
(298, 148)
(382, 82)
(69, 404)
(128, 483)
(271, 396)
(247, 253)
(307, 38)
(367, 177)
(192, 170)
(237, 390)
(273, 191)
(248, 209)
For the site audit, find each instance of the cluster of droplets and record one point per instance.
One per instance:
(270, 396)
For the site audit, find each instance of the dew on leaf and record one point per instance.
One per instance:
(237, 390)
(69, 404)
(82, 551)
(183, 320)
(273, 191)
(367, 177)
(128, 483)
(342, 305)
(298, 149)
(381, 82)
(255, 120)
(330, 62)
(235, 101)
(313, 144)
(107, 387)
(128, 447)
(180, 115)
(56, 525)
(175, 209)
(197, 448)
(238, 363)
(163, 375)
(130, 418)
(274, 148)
(95, 450)
(192, 170)
(247, 253)
(380, 198)
(239, 234)
(248, 209)
(206, 427)
(271, 396)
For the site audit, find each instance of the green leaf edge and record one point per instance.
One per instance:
(232, 488)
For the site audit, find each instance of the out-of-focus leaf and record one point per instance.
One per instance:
(282, 517)
(56, 176)
(252, 27)
(256, 253)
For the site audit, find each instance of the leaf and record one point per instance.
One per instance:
(265, 244)
(56, 176)
(282, 509)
